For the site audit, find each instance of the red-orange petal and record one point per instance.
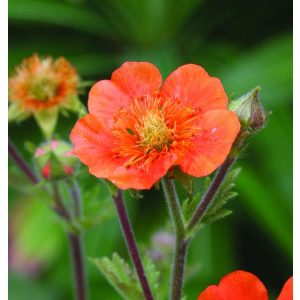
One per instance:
(287, 290)
(220, 128)
(191, 84)
(137, 78)
(93, 146)
(141, 178)
(105, 99)
(238, 285)
(210, 293)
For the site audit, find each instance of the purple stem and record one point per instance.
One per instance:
(78, 266)
(59, 207)
(131, 244)
(15, 154)
(208, 197)
(76, 245)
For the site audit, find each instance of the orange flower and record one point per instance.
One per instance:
(136, 132)
(241, 285)
(40, 84)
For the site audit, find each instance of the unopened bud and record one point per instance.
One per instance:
(249, 110)
(55, 161)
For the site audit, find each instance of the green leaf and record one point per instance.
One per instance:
(47, 120)
(185, 180)
(152, 274)
(215, 216)
(120, 276)
(15, 113)
(225, 193)
(189, 205)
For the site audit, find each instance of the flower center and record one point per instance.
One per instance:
(151, 127)
(44, 89)
(154, 132)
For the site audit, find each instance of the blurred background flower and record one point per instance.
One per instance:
(42, 87)
(245, 44)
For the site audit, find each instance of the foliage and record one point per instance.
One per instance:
(232, 44)
(217, 211)
(121, 276)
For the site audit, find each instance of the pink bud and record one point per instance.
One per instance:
(54, 144)
(39, 152)
(68, 170)
(46, 171)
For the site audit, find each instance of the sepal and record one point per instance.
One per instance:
(47, 120)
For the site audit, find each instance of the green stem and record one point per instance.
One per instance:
(59, 206)
(75, 194)
(181, 244)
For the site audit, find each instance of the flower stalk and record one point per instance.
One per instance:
(76, 249)
(182, 241)
(75, 238)
(131, 243)
(208, 197)
(16, 156)
(75, 242)
(182, 232)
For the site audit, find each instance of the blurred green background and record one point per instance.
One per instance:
(244, 43)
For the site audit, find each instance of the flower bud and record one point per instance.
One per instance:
(55, 161)
(249, 110)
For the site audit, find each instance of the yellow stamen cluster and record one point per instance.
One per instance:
(152, 127)
(154, 132)
(43, 89)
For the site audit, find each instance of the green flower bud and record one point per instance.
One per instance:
(249, 110)
(55, 160)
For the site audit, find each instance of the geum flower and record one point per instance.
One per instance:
(242, 285)
(41, 87)
(135, 131)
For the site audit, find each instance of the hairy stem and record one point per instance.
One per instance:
(181, 244)
(59, 206)
(75, 194)
(131, 244)
(76, 250)
(208, 197)
(76, 246)
(16, 156)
